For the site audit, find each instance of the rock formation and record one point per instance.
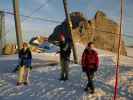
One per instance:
(103, 31)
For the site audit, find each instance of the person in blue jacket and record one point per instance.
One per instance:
(25, 57)
(65, 51)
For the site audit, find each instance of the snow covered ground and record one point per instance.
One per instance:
(44, 83)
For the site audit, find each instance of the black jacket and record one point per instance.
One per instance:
(25, 57)
(25, 54)
(65, 50)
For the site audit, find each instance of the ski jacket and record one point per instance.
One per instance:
(65, 50)
(90, 60)
(25, 57)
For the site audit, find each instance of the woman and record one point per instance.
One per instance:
(25, 59)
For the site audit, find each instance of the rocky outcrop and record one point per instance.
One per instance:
(101, 30)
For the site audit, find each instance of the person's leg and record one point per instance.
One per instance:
(90, 82)
(66, 69)
(62, 68)
(29, 63)
(18, 66)
(26, 71)
(90, 76)
(26, 76)
(21, 76)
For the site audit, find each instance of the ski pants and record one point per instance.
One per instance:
(64, 67)
(90, 76)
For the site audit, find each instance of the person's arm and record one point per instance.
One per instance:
(96, 61)
(29, 54)
(20, 54)
(29, 58)
(57, 43)
(83, 58)
(83, 61)
(66, 46)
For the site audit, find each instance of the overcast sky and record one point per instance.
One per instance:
(53, 9)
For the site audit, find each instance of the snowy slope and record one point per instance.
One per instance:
(46, 86)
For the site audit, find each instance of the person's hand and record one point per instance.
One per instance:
(95, 68)
(57, 52)
(30, 68)
(57, 43)
(84, 69)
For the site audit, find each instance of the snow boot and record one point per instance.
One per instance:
(61, 79)
(66, 78)
(25, 83)
(19, 83)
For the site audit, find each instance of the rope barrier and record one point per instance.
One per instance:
(39, 18)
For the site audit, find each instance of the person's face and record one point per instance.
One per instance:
(62, 39)
(25, 46)
(91, 46)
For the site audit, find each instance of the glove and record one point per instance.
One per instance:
(30, 68)
(95, 68)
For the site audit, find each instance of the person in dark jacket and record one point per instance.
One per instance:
(25, 57)
(65, 51)
(90, 62)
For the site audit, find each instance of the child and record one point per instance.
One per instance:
(25, 58)
(90, 62)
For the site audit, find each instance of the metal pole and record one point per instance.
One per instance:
(119, 48)
(69, 23)
(2, 31)
(17, 23)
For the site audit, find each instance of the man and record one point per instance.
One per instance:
(90, 62)
(65, 51)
